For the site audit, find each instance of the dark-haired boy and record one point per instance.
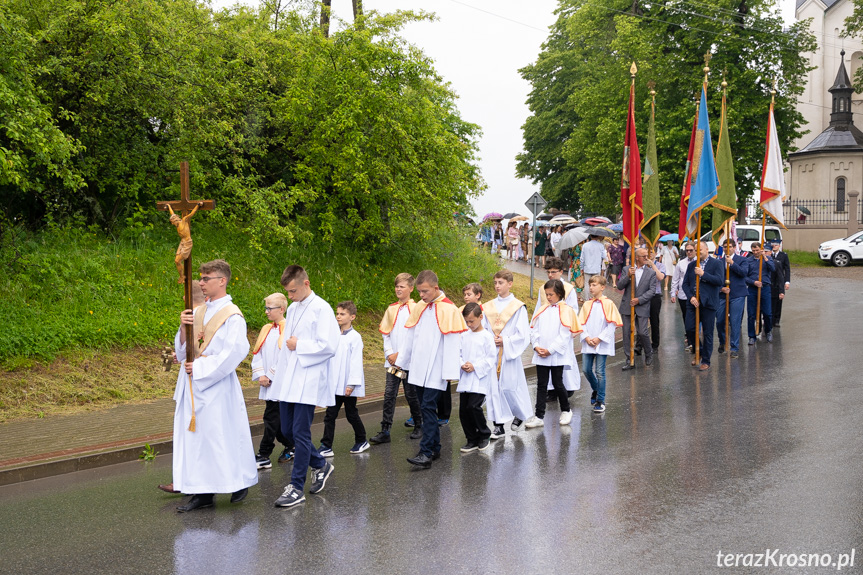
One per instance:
(430, 354)
(347, 378)
(310, 339)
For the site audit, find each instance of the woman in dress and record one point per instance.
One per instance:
(539, 241)
(512, 240)
(575, 272)
(668, 259)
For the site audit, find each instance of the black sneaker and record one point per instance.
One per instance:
(599, 407)
(483, 444)
(417, 433)
(469, 447)
(292, 496)
(320, 477)
(287, 455)
(497, 432)
(593, 398)
(721, 349)
(263, 462)
(409, 422)
(383, 436)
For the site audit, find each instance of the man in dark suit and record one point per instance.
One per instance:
(712, 275)
(781, 280)
(765, 284)
(644, 279)
(735, 291)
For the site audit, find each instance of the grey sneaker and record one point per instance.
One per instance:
(769, 337)
(320, 477)
(292, 496)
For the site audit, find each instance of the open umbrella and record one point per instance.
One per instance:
(663, 233)
(518, 219)
(492, 216)
(571, 239)
(804, 210)
(562, 220)
(616, 228)
(544, 216)
(669, 238)
(509, 215)
(599, 222)
(603, 232)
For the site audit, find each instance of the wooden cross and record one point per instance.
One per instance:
(185, 207)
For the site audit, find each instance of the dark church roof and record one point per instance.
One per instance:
(828, 3)
(841, 135)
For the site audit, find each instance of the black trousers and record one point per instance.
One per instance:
(351, 414)
(472, 418)
(655, 308)
(391, 393)
(776, 306)
(272, 430)
(444, 403)
(542, 374)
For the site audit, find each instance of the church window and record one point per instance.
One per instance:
(840, 195)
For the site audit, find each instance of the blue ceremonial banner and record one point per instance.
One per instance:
(705, 181)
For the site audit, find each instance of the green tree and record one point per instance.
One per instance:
(574, 136)
(351, 138)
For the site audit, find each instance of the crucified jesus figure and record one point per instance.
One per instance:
(185, 247)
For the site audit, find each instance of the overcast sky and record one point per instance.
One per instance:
(478, 47)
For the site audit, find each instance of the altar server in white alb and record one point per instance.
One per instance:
(506, 318)
(348, 380)
(571, 377)
(264, 356)
(310, 339)
(429, 352)
(213, 451)
(551, 333)
(478, 361)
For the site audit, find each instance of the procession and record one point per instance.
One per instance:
(384, 286)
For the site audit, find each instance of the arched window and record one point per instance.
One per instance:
(840, 195)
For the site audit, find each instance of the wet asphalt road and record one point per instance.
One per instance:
(760, 453)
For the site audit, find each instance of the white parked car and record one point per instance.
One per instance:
(841, 252)
(746, 234)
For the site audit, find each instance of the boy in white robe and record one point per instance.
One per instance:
(213, 451)
(599, 319)
(478, 360)
(264, 355)
(506, 318)
(554, 267)
(348, 379)
(430, 355)
(392, 328)
(310, 339)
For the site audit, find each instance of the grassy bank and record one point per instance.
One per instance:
(69, 289)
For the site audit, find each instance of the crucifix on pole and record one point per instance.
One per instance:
(183, 259)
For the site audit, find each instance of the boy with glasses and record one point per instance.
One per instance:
(213, 451)
(264, 355)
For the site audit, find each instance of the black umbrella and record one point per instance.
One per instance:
(509, 215)
(804, 210)
(604, 232)
(544, 217)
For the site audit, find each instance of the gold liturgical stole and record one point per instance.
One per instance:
(496, 320)
(609, 310)
(204, 333)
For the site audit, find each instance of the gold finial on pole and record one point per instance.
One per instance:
(652, 87)
(724, 83)
(707, 58)
(633, 70)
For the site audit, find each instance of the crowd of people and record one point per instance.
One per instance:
(309, 355)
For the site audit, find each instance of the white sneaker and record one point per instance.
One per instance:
(565, 417)
(533, 422)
